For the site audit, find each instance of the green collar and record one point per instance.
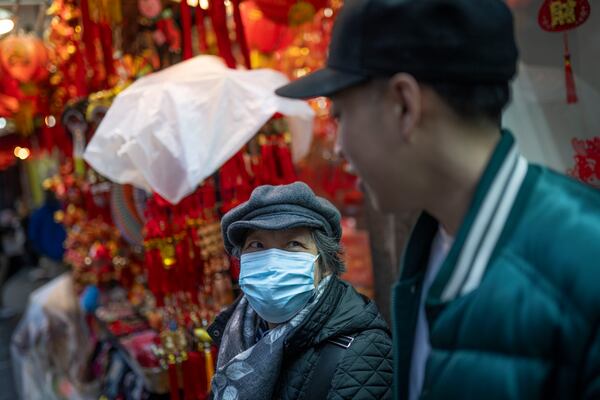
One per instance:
(478, 235)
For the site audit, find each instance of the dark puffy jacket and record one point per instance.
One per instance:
(364, 370)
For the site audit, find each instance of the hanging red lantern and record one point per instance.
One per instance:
(263, 34)
(561, 16)
(24, 58)
(290, 12)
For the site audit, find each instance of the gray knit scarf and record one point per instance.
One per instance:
(248, 369)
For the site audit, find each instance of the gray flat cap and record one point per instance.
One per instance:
(277, 208)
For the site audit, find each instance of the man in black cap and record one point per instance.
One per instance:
(499, 293)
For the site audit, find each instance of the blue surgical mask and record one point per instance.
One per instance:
(277, 283)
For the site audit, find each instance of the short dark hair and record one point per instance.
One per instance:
(330, 252)
(474, 101)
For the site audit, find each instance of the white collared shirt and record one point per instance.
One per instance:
(439, 250)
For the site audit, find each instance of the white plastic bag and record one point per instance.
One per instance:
(170, 130)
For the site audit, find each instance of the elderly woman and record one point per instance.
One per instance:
(298, 331)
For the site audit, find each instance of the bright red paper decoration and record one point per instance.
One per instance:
(560, 16)
(587, 161)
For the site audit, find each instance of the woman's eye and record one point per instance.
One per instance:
(295, 243)
(254, 245)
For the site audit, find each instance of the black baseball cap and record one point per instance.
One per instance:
(461, 41)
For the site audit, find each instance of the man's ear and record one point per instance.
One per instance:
(406, 96)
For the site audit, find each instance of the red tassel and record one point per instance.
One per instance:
(201, 29)
(198, 365)
(268, 167)
(80, 74)
(90, 34)
(106, 41)
(173, 382)
(186, 22)
(569, 78)
(285, 163)
(218, 14)
(189, 380)
(240, 34)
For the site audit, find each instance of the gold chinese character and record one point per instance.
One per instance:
(562, 12)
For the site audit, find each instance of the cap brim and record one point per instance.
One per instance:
(324, 82)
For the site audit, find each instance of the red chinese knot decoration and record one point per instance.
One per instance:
(561, 16)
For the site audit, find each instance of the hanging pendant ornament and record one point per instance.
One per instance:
(561, 16)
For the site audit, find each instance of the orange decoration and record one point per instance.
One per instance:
(24, 58)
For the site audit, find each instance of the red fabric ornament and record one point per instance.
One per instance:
(561, 16)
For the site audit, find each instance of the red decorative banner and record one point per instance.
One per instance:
(560, 16)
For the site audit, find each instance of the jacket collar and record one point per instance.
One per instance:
(480, 231)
